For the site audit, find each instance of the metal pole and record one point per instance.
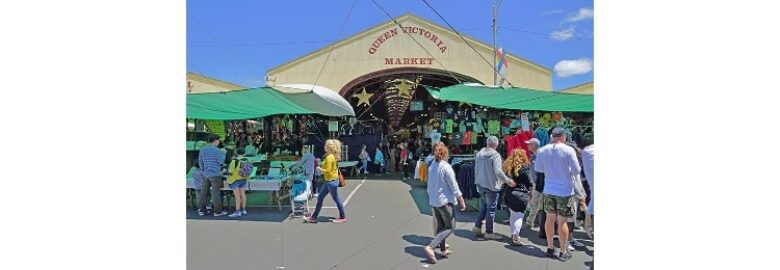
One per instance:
(495, 71)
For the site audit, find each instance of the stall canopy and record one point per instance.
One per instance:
(265, 101)
(241, 104)
(317, 98)
(513, 98)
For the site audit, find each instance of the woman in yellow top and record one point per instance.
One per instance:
(330, 175)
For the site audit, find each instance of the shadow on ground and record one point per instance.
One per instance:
(254, 214)
(417, 239)
(527, 250)
(417, 251)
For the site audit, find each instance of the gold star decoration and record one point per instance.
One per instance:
(404, 89)
(363, 97)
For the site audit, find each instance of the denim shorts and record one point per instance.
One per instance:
(238, 184)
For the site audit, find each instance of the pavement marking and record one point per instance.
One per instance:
(353, 191)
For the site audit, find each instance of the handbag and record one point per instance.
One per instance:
(342, 182)
(516, 199)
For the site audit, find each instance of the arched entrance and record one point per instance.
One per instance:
(397, 96)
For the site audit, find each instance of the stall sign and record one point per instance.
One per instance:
(333, 126)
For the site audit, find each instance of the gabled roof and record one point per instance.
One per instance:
(584, 89)
(216, 82)
(403, 18)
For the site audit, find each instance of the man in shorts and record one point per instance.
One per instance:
(559, 164)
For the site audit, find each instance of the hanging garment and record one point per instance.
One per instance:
(518, 141)
(423, 171)
(542, 136)
(493, 126)
(466, 138)
(465, 177)
(435, 137)
(457, 139)
(417, 170)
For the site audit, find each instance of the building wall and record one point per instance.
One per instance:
(197, 83)
(387, 46)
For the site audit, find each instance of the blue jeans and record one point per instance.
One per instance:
(487, 208)
(331, 187)
(364, 167)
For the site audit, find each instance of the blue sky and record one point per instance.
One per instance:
(238, 41)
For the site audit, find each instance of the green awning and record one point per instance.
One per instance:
(514, 98)
(241, 104)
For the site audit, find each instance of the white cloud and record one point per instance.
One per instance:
(563, 34)
(567, 68)
(584, 13)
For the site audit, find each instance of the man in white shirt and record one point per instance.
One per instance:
(587, 166)
(559, 164)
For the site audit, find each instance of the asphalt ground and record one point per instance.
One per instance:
(389, 222)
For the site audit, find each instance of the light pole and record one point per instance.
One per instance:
(495, 14)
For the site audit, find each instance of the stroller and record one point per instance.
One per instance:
(299, 197)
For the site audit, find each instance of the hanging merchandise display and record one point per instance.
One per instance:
(524, 123)
(216, 127)
(397, 99)
(435, 137)
(493, 126)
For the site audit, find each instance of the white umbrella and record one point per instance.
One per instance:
(317, 98)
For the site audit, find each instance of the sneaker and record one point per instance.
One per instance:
(310, 220)
(243, 211)
(492, 236)
(576, 243)
(236, 214)
(571, 248)
(340, 220)
(220, 213)
(551, 253)
(208, 207)
(565, 256)
(477, 231)
(201, 213)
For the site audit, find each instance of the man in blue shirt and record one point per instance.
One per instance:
(210, 160)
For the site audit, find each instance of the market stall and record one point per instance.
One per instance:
(271, 124)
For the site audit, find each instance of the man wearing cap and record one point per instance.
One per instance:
(537, 178)
(559, 164)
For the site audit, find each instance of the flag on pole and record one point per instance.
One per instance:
(501, 66)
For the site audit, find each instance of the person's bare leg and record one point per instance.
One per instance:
(563, 234)
(243, 199)
(549, 229)
(237, 195)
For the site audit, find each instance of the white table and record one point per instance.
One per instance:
(349, 164)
